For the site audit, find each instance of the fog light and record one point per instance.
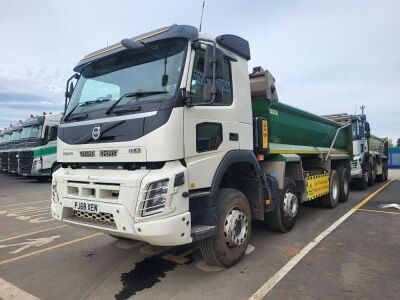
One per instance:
(156, 195)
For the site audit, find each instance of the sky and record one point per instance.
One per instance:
(326, 56)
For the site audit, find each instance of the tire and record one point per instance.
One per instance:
(331, 200)
(386, 171)
(371, 174)
(228, 246)
(362, 182)
(283, 218)
(344, 184)
(384, 176)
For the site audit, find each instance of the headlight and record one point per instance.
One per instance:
(156, 195)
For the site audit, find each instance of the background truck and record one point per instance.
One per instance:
(7, 146)
(15, 145)
(168, 140)
(370, 153)
(39, 157)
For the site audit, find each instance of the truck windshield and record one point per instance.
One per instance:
(1, 139)
(146, 70)
(16, 136)
(31, 132)
(7, 138)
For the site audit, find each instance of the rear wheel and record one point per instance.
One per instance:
(344, 184)
(371, 174)
(331, 200)
(229, 244)
(283, 218)
(384, 175)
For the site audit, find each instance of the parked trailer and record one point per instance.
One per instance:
(190, 148)
(370, 153)
(39, 158)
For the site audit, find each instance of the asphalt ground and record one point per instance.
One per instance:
(359, 257)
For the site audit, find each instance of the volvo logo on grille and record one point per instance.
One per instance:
(96, 132)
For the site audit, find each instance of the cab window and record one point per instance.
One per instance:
(198, 81)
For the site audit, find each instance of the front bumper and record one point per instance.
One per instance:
(119, 195)
(168, 231)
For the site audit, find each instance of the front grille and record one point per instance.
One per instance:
(25, 166)
(25, 154)
(12, 155)
(99, 219)
(353, 164)
(13, 165)
(108, 153)
(88, 153)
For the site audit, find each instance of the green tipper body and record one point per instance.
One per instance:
(293, 130)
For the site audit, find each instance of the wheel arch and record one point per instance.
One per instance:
(240, 169)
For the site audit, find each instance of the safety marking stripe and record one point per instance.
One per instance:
(278, 276)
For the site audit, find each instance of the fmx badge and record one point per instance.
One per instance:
(96, 132)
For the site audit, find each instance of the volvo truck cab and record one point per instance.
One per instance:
(6, 148)
(39, 158)
(15, 146)
(160, 143)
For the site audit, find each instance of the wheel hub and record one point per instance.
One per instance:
(235, 227)
(290, 204)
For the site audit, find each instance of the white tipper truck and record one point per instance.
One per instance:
(370, 153)
(162, 142)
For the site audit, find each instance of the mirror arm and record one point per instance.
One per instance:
(67, 92)
(214, 85)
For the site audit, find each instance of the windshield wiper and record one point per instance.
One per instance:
(138, 94)
(84, 104)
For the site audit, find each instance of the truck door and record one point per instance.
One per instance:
(210, 131)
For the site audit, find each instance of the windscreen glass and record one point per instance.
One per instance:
(7, 138)
(31, 132)
(16, 136)
(155, 69)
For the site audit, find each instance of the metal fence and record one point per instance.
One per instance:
(394, 157)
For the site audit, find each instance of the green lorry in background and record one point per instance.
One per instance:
(38, 159)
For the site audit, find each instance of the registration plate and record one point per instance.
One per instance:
(86, 207)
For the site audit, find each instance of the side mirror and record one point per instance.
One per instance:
(367, 130)
(212, 59)
(213, 71)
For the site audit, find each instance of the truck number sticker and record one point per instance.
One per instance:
(273, 112)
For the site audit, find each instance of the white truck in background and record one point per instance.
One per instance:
(38, 159)
(370, 153)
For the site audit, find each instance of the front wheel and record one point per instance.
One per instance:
(229, 244)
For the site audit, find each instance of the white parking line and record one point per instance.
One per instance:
(10, 291)
(278, 276)
(24, 203)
